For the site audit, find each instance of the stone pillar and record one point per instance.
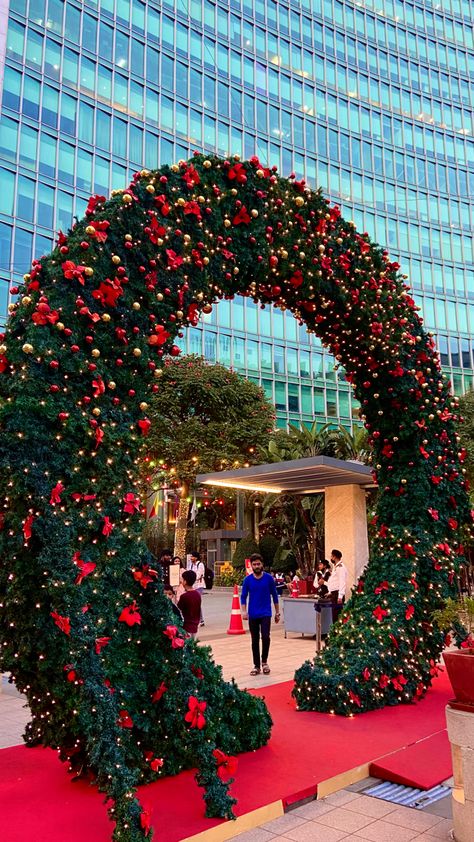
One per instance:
(345, 527)
(461, 736)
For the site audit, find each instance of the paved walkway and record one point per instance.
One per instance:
(345, 816)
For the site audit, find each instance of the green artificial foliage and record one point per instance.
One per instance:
(86, 632)
(465, 430)
(244, 549)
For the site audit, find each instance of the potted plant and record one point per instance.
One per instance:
(458, 616)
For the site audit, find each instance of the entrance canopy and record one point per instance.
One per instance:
(299, 476)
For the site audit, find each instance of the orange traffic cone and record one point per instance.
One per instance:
(236, 625)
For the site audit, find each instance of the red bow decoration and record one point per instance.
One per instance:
(163, 205)
(452, 523)
(155, 762)
(3, 363)
(435, 668)
(468, 643)
(107, 527)
(195, 714)
(399, 681)
(125, 720)
(85, 567)
(28, 523)
(354, 698)
(237, 173)
(43, 315)
(159, 692)
(92, 204)
(191, 177)
(226, 765)
(101, 643)
(296, 279)
(155, 229)
(434, 513)
(409, 550)
(62, 623)
(56, 493)
(197, 671)
(174, 260)
(132, 503)
(242, 217)
(192, 209)
(130, 615)
(379, 613)
(98, 436)
(387, 451)
(71, 271)
(144, 426)
(108, 293)
(145, 822)
(170, 631)
(366, 674)
(409, 612)
(382, 587)
(383, 681)
(145, 575)
(100, 230)
(160, 336)
(98, 387)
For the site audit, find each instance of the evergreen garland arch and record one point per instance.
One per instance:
(86, 631)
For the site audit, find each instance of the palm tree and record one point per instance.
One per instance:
(353, 446)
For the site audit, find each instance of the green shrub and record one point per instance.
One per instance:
(245, 548)
(268, 546)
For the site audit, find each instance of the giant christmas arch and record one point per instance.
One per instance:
(86, 631)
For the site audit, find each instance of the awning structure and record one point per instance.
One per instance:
(299, 476)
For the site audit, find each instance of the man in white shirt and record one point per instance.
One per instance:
(195, 563)
(337, 583)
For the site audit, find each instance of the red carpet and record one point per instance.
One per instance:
(422, 765)
(39, 802)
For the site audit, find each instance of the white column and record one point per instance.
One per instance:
(345, 526)
(461, 736)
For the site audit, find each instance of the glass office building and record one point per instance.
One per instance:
(371, 100)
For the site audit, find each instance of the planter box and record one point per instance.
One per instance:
(460, 668)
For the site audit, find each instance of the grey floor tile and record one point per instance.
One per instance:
(382, 831)
(417, 820)
(284, 823)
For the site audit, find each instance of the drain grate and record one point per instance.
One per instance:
(408, 796)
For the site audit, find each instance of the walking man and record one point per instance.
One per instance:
(260, 589)
(337, 583)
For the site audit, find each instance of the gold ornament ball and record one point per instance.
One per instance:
(136, 305)
(106, 317)
(299, 201)
(95, 352)
(128, 238)
(179, 314)
(27, 348)
(158, 372)
(12, 307)
(150, 188)
(115, 259)
(137, 352)
(96, 411)
(254, 213)
(143, 406)
(3, 349)
(127, 199)
(227, 223)
(260, 173)
(236, 270)
(159, 296)
(88, 271)
(111, 384)
(207, 164)
(284, 254)
(144, 173)
(90, 230)
(26, 278)
(181, 201)
(205, 260)
(25, 300)
(174, 168)
(233, 192)
(60, 325)
(199, 296)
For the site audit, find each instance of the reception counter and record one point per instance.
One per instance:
(301, 616)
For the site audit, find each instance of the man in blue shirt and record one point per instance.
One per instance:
(260, 588)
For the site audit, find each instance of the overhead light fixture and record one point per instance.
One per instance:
(243, 486)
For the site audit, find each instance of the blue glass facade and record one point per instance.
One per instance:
(370, 100)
